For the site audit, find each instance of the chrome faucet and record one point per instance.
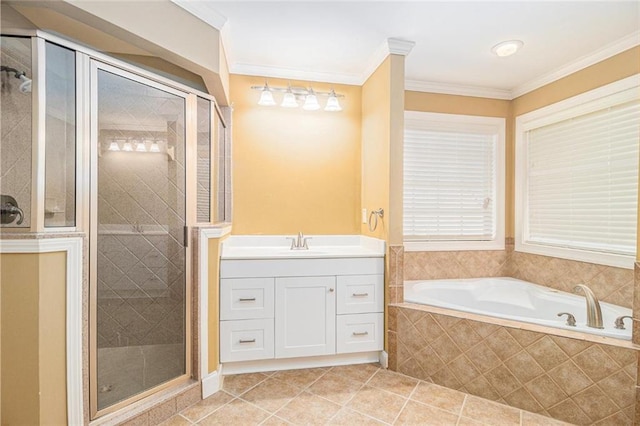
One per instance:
(299, 243)
(594, 313)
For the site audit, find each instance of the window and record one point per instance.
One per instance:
(453, 182)
(577, 176)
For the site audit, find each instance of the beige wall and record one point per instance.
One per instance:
(376, 134)
(33, 314)
(214, 303)
(295, 170)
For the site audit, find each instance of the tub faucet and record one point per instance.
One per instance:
(594, 313)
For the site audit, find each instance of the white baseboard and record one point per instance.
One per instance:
(296, 363)
(211, 384)
(384, 359)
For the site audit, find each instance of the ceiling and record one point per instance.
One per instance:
(337, 41)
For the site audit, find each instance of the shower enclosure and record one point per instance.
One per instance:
(94, 146)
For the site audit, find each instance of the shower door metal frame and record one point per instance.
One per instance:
(190, 216)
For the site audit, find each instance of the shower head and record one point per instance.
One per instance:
(25, 86)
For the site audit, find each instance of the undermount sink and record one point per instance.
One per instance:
(303, 252)
(321, 246)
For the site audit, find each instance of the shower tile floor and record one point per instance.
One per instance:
(347, 395)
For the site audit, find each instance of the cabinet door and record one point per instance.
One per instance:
(305, 316)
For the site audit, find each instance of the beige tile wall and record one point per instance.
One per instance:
(572, 380)
(610, 284)
(15, 127)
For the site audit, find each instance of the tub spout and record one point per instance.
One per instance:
(594, 313)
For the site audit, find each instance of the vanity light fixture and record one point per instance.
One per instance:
(127, 147)
(154, 147)
(141, 147)
(113, 146)
(266, 97)
(289, 99)
(294, 95)
(507, 48)
(311, 102)
(332, 103)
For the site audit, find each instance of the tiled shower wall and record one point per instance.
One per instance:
(15, 149)
(141, 287)
(610, 284)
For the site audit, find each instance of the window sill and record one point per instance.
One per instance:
(453, 245)
(598, 258)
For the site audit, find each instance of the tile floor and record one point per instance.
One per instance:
(347, 395)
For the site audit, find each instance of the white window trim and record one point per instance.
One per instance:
(547, 115)
(415, 119)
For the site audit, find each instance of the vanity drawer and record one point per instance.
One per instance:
(246, 340)
(360, 294)
(359, 333)
(246, 298)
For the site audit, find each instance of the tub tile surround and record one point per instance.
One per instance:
(610, 284)
(344, 395)
(636, 306)
(572, 380)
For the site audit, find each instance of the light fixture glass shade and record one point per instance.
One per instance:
(127, 147)
(507, 48)
(266, 97)
(113, 146)
(311, 102)
(289, 100)
(141, 147)
(332, 103)
(154, 147)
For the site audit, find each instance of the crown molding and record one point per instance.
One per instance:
(457, 89)
(203, 12)
(294, 74)
(599, 55)
(391, 46)
(396, 46)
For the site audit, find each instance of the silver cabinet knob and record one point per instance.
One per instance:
(330, 290)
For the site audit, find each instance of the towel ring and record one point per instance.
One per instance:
(373, 218)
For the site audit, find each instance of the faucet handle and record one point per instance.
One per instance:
(571, 320)
(294, 245)
(619, 323)
(304, 242)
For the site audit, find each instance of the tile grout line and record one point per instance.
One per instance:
(406, 402)
(272, 376)
(362, 386)
(464, 401)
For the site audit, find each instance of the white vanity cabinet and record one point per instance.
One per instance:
(304, 310)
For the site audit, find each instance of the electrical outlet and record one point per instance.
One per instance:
(364, 215)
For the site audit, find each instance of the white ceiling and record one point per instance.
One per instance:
(337, 41)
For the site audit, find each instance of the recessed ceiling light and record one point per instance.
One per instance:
(507, 48)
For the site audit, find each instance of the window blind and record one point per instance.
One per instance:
(449, 184)
(582, 181)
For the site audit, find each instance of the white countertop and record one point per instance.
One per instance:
(320, 247)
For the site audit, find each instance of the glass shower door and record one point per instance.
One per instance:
(140, 317)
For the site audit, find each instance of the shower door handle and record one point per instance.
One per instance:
(186, 237)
